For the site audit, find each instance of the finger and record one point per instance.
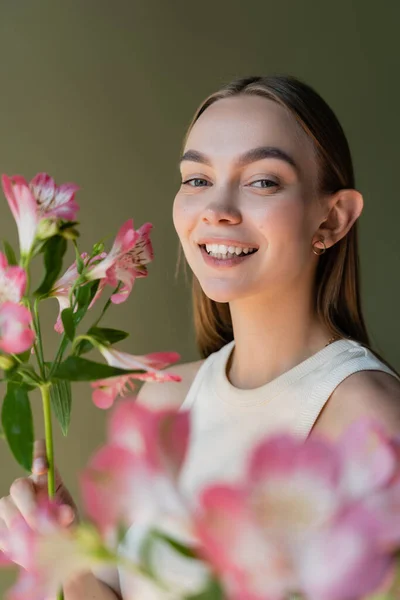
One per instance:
(66, 515)
(40, 464)
(23, 494)
(3, 535)
(8, 511)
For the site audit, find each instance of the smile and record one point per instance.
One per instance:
(224, 252)
(221, 255)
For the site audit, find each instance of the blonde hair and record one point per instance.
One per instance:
(338, 301)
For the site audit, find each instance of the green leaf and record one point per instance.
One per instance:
(16, 418)
(61, 402)
(10, 254)
(105, 335)
(177, 546)
(75, 368)
(84, 296)
(67, 319)
(80, 265)
(54, 250)
(213, 591)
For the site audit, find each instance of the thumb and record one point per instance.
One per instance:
(40, 466)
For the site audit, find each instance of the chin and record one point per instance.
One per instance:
(221, 293)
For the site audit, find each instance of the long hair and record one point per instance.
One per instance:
(337, 282)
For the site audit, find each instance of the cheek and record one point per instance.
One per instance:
(184, 217)
(285, 224)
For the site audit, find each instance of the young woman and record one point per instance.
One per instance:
(267, 218)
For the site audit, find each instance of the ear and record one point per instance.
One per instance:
(344, 208)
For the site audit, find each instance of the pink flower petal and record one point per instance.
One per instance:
(12, 281)
(15, 333)
(24, 209)
(54, 201)
(343, 561)
(160, 437)
(369, 459)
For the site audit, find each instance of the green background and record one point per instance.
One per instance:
(101, 92)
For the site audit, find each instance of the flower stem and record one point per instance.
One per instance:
(51, 487)
(39, 345)
(45, 390)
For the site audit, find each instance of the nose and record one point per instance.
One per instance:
(221, 211)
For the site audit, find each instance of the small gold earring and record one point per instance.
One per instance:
(319, 251)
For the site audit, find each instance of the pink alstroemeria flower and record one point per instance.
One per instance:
(49, 556)
(12, 281)
(297, 522)
(134, 476)
(107, 390)
(54, 201)
(131, 265)
(62, 287)
(126, 261)
(24, 209)
(16, 335)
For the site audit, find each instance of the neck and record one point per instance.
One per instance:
(272, 336)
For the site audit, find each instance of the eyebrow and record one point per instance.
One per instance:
(248, 157)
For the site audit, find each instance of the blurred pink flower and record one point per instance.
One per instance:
(133, 478)
(49, 554)
(126, 261)
(24, 209)
(16, 335)
(107, 390)
(136, 428)
(12, 281)
(62, 287)
(54, 201)
(300, 503)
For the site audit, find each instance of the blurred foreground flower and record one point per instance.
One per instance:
(50, 555)
(306, 519)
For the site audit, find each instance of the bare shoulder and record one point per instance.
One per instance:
(170, 394)
(374, 394)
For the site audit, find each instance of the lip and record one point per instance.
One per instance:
(226, 242)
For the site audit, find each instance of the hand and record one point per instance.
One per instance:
(26, 492)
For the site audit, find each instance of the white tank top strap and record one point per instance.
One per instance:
(203, 371)
(316, 401)
(197, 381)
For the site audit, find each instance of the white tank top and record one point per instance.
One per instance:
(226, 422)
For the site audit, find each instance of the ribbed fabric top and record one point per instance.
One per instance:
(226, 422)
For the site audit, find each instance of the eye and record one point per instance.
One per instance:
(188, 182)
(268, 183)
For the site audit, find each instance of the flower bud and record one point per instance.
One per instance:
(6, 362)
(47, 228)
(70, 233)
(97, 248)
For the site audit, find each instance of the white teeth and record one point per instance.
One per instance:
(222, 251)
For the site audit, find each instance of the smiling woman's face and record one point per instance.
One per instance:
(248, 207)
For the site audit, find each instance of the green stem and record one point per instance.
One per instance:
(61, 349)
(45, 390)
(39, 345)
(51, 480)
(106, 306)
